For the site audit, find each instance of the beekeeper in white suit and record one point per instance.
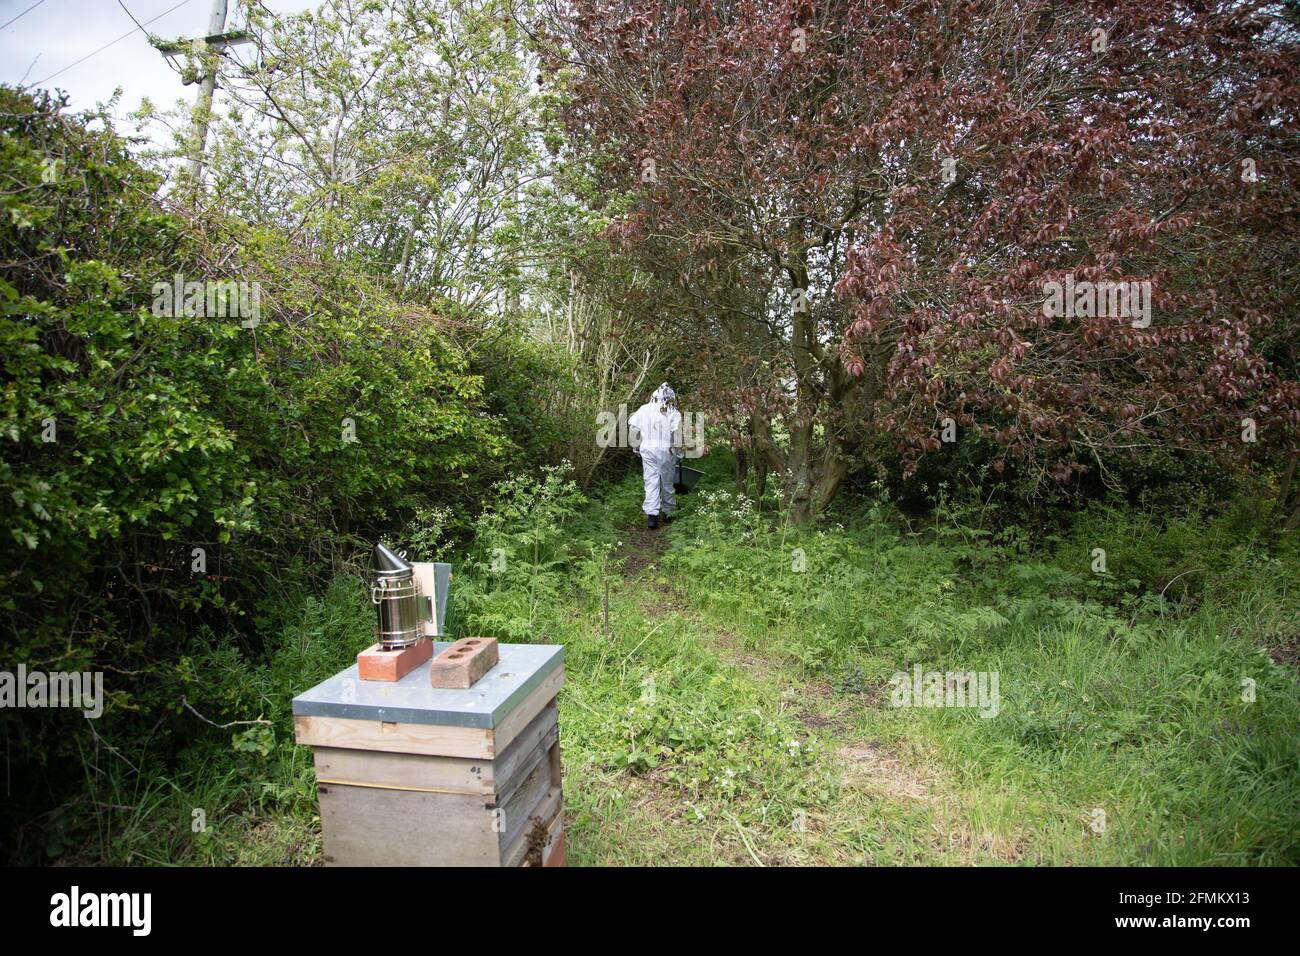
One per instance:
(655, 432)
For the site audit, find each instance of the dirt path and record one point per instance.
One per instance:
(641, 548)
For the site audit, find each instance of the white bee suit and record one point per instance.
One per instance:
(658, 425)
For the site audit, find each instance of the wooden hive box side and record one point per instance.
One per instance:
(405, 779)
(399, 771)
(367, 826)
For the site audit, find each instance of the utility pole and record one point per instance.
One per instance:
(215, 41)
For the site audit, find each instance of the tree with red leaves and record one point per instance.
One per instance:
(1065, 227)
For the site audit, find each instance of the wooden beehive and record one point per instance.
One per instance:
(412, 775)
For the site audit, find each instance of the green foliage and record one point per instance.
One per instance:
(1146, 691)
(521, 558)
(536, 419)
(407, 146)
(163, 472)
(672, 753)
(184, 499)
(252, 789)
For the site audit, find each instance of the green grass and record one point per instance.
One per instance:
(1113, 698)
(739, 711)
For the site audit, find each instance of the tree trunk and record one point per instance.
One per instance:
(766, 455)
(742, 468)
(799, 477)
(834, 470)
(812, 480)
(1284, 492)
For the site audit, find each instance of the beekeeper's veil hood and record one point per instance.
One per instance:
(664, 395)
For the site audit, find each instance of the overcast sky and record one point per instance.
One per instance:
(57, 33)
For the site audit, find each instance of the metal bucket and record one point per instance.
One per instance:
(687, 479)
(396, 596)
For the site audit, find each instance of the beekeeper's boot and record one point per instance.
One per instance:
(652, 521)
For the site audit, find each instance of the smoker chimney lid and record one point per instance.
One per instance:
(390, 565)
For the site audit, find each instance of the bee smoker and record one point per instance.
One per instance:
(410, 598)
(396, 596)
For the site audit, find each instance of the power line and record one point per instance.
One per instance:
(141, 26)
(24, 13)
(111, 42)
(138, 24)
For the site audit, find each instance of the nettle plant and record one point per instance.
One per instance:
(860, 209)
(521, 559)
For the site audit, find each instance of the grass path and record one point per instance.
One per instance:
(768, 735)
(892, 803)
